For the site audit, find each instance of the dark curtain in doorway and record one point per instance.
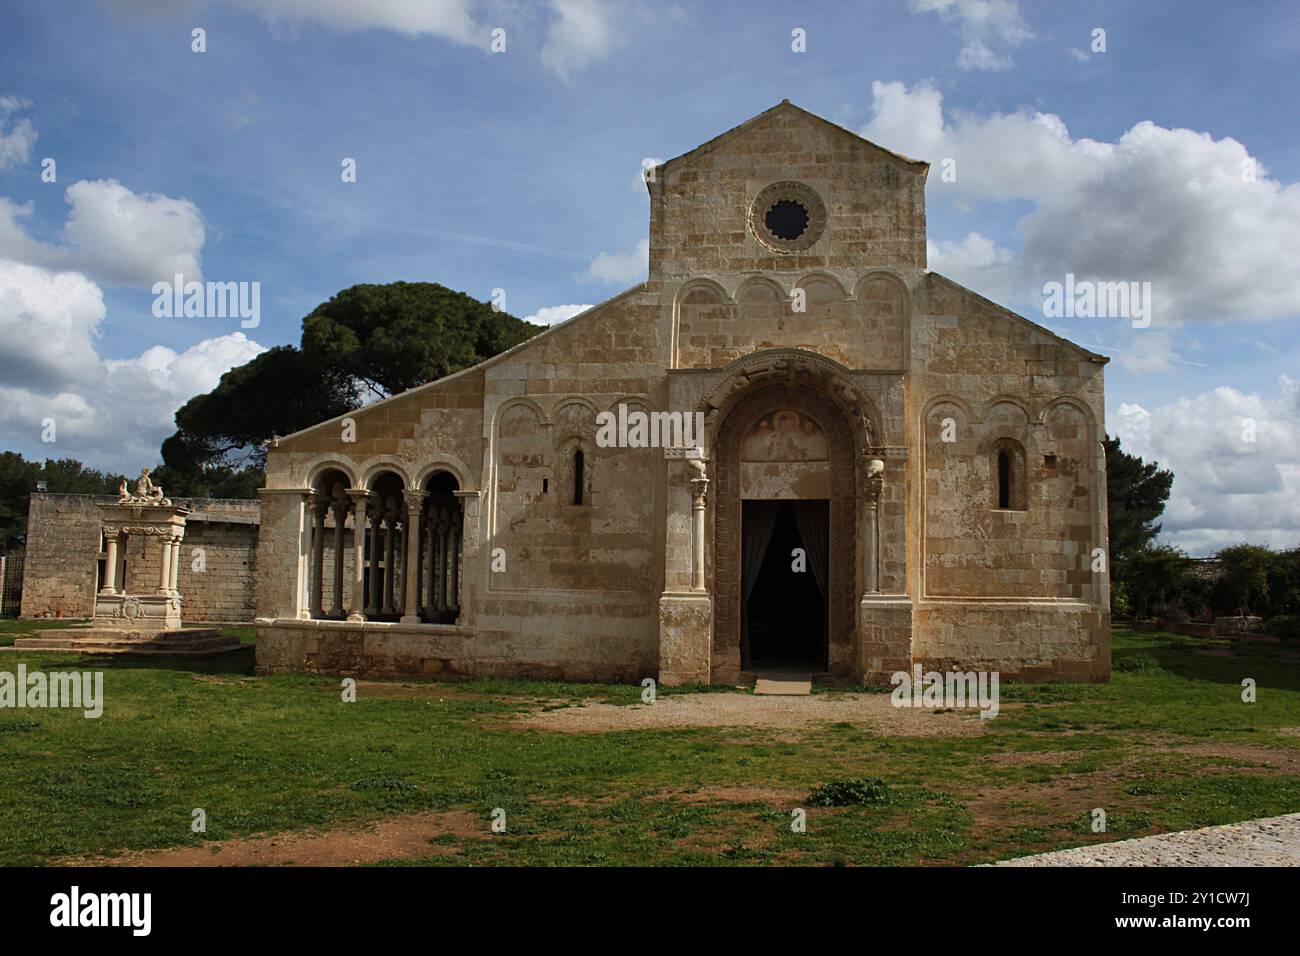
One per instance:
(758, 520)
(810, 518)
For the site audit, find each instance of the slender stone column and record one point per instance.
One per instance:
(376, 519)
(176, 566)
(318, 560)
(442, 561)
(390, 546)
(699, 498)
(165, 580)
(120, 571)
(301, 603)
(411, 573)
(455, 565)
(340, 518)
(431, 562)
(358, 553)
(110, 566)
(874, 487)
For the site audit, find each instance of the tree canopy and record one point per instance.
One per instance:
(1136, 492)
(367, 342)
(18, 478)
(390, 338)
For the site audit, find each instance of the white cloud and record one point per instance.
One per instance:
(1153, 351)
(108, 413)
(1168, 206)
(48, 322)
(131, 238)
(620, 267)
(113, 235)
(17, 137)
(1226, 489)
(17, 245)
(976, 259)
(450, 19)
(984, 24)
(580, 34)
(555, 314)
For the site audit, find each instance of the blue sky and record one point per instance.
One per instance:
(519, 170)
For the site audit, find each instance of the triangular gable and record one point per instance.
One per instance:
(785, 106)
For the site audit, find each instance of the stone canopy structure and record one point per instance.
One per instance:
(893, 469)
(128, 619)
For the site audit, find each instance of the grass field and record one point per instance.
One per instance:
(1168, 744)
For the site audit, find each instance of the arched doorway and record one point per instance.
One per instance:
(385, 549)
(784, 461)
(440, 551)
(329, 549)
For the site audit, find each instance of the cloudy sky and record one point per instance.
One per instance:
(1171, 156)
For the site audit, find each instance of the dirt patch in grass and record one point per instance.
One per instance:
(1278, 760)
(430, 691)
(402, 837)
(872, 712)
(1021, 757)
(219, 679)
(777, 797)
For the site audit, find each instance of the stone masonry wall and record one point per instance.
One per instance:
(64, 558)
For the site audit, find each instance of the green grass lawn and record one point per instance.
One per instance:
(11, 628)
(1167, 744)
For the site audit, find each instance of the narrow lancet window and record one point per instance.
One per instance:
(578, 476)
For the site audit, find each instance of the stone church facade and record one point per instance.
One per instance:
(893, 470)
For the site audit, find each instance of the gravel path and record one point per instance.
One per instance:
(872, 711)
(1271, 842)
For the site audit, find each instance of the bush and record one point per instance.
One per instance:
(1285, 626)
(1137, 663)
(1157, 581)
(1120, 603)
(852, 791)
(1242, 588)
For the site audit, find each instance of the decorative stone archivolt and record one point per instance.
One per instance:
(799, 368)
(783, 386)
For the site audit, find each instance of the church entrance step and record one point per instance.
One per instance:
(784, 684)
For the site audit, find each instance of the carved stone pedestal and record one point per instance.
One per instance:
(139, 612)
(885, 626)
(685, 637)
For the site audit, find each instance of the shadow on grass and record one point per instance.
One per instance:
(235, 663)
(1217, 660)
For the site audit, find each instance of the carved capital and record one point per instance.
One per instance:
(414, 501)
(873, 484)
(698, 480)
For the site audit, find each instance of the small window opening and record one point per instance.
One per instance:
(578, 477)
(787, 219)
(1004, 480)
(546, 484)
